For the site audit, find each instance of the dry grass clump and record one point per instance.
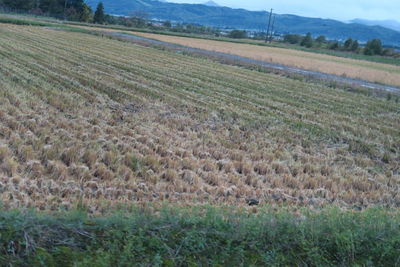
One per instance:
(243, 168)
(208, 165)
(211, 179)
(90, 158)
(152, 163)
(226, 166)
(125, 173)
(262, 168)
(26, 153)
(9, 167)
(189, 164)
(57, 170)
(151, 130)
(70, 156)
(4, 153)
(102, 172)
(35, 169)
(170, 175)
(132, 161)
(190, 177)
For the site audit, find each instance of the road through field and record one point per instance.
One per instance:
(274, 66)
(292, 60)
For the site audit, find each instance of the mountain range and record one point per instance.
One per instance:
(390, 24)
(211, 3)
(225, 17)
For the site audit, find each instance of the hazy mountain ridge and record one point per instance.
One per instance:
(211, 3)
(390, 24)
(251, 20)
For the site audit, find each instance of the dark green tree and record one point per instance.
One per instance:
(99, 15)
(24, 5)
(348, 44)
(307, 41)
(373, 47)
(167, 24)
(52, 7)
(334, 46)
(292, 38)
(321, 39)
(354, 46)
(71, 9)
(86, 13)
(368, 51)
(237, 34)
(77, 4)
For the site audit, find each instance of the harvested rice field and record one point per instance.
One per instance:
(103, 122)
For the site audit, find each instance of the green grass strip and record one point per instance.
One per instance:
(201, 236)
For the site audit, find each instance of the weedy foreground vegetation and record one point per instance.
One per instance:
(201, 236)
(100, 121)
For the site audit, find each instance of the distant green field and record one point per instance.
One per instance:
(23, 21)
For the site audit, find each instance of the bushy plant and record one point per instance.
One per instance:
(307, 41)
(237, 34)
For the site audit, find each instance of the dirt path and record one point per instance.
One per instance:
(273, 66)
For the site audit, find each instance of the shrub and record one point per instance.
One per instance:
(237, 34)
(348, 44)
(307, 41)
(373, 47)
(334, 46)
(292, 38)
(320, 39)
(354, 46)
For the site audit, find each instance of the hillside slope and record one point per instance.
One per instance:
(390, 24)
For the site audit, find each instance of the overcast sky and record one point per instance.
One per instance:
(336, 9)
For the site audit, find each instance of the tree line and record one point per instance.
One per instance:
(78, 10)
(75, 10)
(372, 47)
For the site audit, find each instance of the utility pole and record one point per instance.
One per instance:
(272, 28)
(65, 9)
(269, 23)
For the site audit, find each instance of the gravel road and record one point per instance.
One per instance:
(273, 66)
